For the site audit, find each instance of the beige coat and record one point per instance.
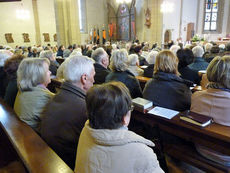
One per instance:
(114, 151)
(30, 104)
(214, 103)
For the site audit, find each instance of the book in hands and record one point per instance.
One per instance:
(196, 119)
(141, 104)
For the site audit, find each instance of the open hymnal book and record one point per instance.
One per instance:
(163, 112)
(195, 118)
(142, 103)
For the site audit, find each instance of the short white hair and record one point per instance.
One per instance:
(97, 54)
(46, 54)
(4, 55)
(187, 46)
(76, 66)
(75, 52)
(198, 51)
(133, 59)
(114, 46)
(208, 47)
(119, 60)
(222, 46)
(151, 58)
(174, 49)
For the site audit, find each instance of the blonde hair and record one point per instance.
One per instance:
(31, 72)
(167, 62)
(218, 72)
(119, 60)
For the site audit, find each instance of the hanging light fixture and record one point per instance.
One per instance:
(22, 14)
(167, 7)
(123, 1)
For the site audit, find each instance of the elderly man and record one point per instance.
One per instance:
(199, 63)
(101, 63)
(65, 115)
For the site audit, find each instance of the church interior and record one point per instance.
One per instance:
(92, 86)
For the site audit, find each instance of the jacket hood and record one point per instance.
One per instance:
(171, 77)
(115, 137)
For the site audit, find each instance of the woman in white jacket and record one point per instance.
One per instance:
(106, 144)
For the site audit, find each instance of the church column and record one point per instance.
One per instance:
(67, 22)
(36, 22)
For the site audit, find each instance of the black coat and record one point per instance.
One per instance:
(189, 74)
(128, 79)
(11, 92)
(62, 122)
(169, 91)
(101, 73)
(3, 82)
(148, 72)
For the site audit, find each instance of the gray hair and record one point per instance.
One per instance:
(31, 72)
(151, 58)
(119, 60)
(198, 51)
(97, 54)
(133, 59)
(46, 54)
(4, 55)
(218, 72)
(75, 53)
(208, 47)
(174, 49)
(76, 66)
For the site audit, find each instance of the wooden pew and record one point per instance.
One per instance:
(214, 136)
(27, 145)
(142, 80)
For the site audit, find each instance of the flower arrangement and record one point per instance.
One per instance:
(197, 38)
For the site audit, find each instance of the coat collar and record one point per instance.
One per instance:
(171, 77)
(71, 88)
(115, 137)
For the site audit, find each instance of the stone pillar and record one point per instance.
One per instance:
(36, 23)
(67, 22)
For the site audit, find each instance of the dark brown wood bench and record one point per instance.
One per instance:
(18, 141)
(215, 136)
(142, 80)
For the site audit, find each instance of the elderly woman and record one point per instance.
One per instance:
(133, 62)
(166, 88)
(33, 76)
(11, 67)
(148, 72)
(106, 139)
(53, 63)
(118, 65)
(199, 63)
(214, 102)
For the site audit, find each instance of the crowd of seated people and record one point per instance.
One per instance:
(60, 117)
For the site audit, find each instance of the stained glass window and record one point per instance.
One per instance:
(211, 13)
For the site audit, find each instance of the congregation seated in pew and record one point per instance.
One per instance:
(214, 102)
(105, 144)
(65, 115)
(33, 76)
(11, 67)
(120, 72)
(166, 88)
